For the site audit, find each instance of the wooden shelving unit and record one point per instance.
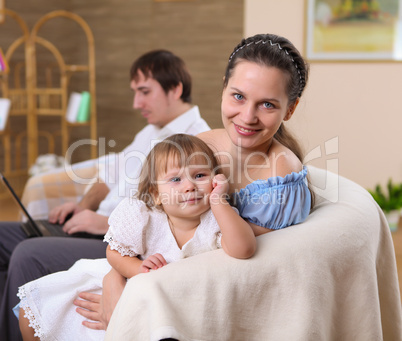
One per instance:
(11, 147)
(32, 101)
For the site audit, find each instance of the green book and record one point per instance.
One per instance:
(85, 107)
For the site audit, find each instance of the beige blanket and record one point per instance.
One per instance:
(44, 192)
(333, 277)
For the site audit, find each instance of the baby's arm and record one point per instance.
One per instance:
(131, 266)
(27, 332)
(238, 238)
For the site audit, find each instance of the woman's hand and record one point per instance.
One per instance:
(99, 308)
(90, 306)
(153, 262)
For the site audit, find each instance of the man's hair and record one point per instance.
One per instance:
(166, 68)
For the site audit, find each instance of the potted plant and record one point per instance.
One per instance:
(390, 202)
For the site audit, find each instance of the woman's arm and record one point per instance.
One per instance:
(238, 239)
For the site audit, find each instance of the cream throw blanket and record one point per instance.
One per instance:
(332, 277)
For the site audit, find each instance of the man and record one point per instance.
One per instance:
(162, 87)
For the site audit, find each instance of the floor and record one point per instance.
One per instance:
(9, 211)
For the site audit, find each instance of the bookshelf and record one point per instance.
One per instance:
(13, 167)
(36, 102)
(53, 101)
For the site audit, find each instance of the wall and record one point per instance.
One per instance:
(357, 103)
(202, 32)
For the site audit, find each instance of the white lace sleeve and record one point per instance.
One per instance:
(127, 225)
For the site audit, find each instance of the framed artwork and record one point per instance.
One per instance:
(353, 30)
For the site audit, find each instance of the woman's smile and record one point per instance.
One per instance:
(245, 131)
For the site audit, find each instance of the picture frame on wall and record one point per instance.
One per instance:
(353, 30)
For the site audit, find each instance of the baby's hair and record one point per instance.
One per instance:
(181, 150)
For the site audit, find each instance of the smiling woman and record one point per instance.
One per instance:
(264, 79)
(317, 275)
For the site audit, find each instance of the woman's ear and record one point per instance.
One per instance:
(291, 110)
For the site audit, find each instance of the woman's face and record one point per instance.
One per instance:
(254, 104)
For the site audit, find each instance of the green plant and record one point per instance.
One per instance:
(392, 200)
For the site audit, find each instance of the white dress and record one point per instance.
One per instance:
(134, 231)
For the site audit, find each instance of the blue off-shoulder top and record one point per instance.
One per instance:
(275, 203)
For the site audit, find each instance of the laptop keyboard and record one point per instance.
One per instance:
(54, 229)
(48, 229)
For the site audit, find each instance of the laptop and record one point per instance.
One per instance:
(41, 228)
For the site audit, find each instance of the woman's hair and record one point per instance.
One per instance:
(179, 150)
(166, 68)
(274, 51)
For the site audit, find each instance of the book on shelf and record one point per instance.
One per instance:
(5, 104)
(73, 107)
(85, 107)
(78, 107)
(3, 62)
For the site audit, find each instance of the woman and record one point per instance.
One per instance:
(332, 277)
(263, 83)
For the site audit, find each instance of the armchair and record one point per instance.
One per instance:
(332, 277)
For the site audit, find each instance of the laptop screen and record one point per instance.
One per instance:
(15, 196)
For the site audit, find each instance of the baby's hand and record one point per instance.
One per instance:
(153, 262)
(220, 189)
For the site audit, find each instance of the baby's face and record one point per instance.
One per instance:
(185, 191)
